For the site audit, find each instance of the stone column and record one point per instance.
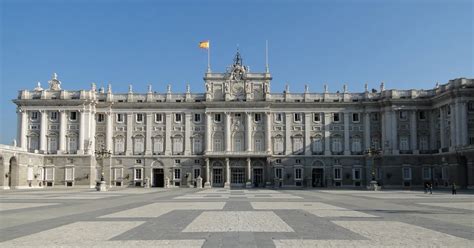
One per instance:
(148, 130)
(442, 129)
(129, 142)
(268, 132)
(458, 125)
(23, 130)
(327, 134)
(82, 130)
(347, 150)
(432, 125)
(227, 174)
(464, 135)
(367, 131)
(413, 132)
(208, 132)
(394, 130)
(187, 133)
(62, 131)
(168, 121)
(227, 133)
(452, 127)
(248, 131)
(288, 121)
(248, 184)
(307, 134)
(207, 184)
(43, 131)
(384, 137)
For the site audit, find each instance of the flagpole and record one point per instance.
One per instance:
(209, 57)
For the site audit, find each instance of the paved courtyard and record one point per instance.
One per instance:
(235, 218)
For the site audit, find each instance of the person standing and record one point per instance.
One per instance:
(426, 188)
(431, 188)
(454, 188)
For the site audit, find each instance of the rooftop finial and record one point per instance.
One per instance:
(344, 88)
(109, 88)
(306, 88)
(366, 87)
(130, 88)
(149, 88)
(54, 83)
(326, 88)
(382, 86)
(38, 87)
(169, 88)
(267, 68)
(238, 59)
(188, 88)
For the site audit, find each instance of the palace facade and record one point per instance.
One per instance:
(240, 134)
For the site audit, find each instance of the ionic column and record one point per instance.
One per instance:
(208, 132)
(288, 133)
(248, 132)
(82, 131)
(413, 132)
(307, 135)
(452, 127)
(327, 134)
(207, 184)
(249, 173)
(149, 125)
(129, 134)
(227, 132)
(442, 129)
(268, 132)
(227, 173)
(367, 130)
(187, 133)
(347, 150)
(22, 134)
(394, 138)
(62, 131)
(43, 130)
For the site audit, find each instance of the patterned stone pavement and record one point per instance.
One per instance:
(235, 218)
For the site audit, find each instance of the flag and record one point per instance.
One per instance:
(204, 44)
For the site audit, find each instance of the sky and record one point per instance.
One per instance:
(406, 44)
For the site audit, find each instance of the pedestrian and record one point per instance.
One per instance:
(426, 188)
(431, 188)
(454, 188)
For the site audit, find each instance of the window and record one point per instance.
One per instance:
(278, 161)
(118, 174)
(197, 145)
(470, 106)
(158, 145)
(424, 143)
(34, 115)
(177, 174)
(297, 117)
(278, 117)
(72, 144)
(138, 144)
(355, 117)
(177, 117)
(278, 144)
(40, 174)
(317, 117)
(426, 173)
(404, 143)
(119, 146)
(298, 161)
(177, 161)
(49, 174)
(237, 176)
(375, 116)
(278, 173)
(356, 174)
(100, 118)
(422, 115)
(298, 174)
(197, 118)
(73, 116)
(356, 145)
(317, 144)
(197, 173)
(52, 144)
(444, 173)
(138, 174)
(238, 142)
(403, 115)
(53, 116)
(337, 144)
(69, 173)
(218, 143)
(406, 173)
(337, 174)
(139, 117)
(298, 147)
(158, 117)
(258, 117)
(197, 161)
(258, 144)
(138, 161)
(217, 117)
(177, 145)
(119, 118)
(336, 117)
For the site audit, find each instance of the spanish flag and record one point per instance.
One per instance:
(204, 44)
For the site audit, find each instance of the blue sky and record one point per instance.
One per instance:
(406, 44)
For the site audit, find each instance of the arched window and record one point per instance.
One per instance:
(217, 142)
(317, 144)
(238, 142)
(158, 145)
(177, 144)
(336, 144)
(298, 146)
(119, 145)
(278, 144)
(356, 144)
(258, 143)
(197, 145)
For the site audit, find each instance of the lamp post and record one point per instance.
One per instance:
(372, 152)
(100, 155)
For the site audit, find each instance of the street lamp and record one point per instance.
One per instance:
(372, 152)
(100, 155)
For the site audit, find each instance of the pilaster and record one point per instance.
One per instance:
(227, 132)
(207, 184)
(452, 127)
(442, 128)
(413, 132)
(367, 130)
(288, 122)
(129, 150)
(168, 121)
(187, 133)
(208, 141)
(81, 131)
(327, 134)
(149, 125)
(268, 132)
(227, 174)
(23, 130)
(62, 131)
(347, 150)
(248, 131)
(307, 134)
(43, 131)
(394, 130)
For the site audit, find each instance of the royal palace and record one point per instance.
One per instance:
(240, 134)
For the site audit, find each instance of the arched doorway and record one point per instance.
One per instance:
(317, 174)
(157, 174)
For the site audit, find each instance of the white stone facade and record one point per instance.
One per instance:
(240, 134)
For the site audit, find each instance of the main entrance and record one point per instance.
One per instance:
(318, 177)
(237, 177)
(217, 177)
(258, 177)
(158, 178)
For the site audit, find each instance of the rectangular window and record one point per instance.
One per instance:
(297, 117)
(139, 117)
(278, 161)
(278, 173)
(138, 161)
(100, 118)
(118, 174)
(426, 173)
(403, 115)
(177, 161)
(73, 116)
(197, 161)
(177, 174)
(217, 117)
(444, 173)
(158, 117)
(422, 115)
(317, 117)
(69, 174)
(138, 174)
(197, 118)
(337, 174)
(53, 116)
(336, 117)
(49, 174)
(258, 117)
(298, 161)
(356, 174)
(298, 174)
(177, 117)
(355, 117)
(278, 117)
(119, 118)
(197, 173)
(406, 173)
(34, 115)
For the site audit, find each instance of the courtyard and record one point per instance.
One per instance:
(220, 217)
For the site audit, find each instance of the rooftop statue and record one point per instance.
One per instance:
(54, 83)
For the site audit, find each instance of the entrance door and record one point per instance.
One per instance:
(158, 178)
(237, 177)
(317, 177)
(217, 177)
(258, 177)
